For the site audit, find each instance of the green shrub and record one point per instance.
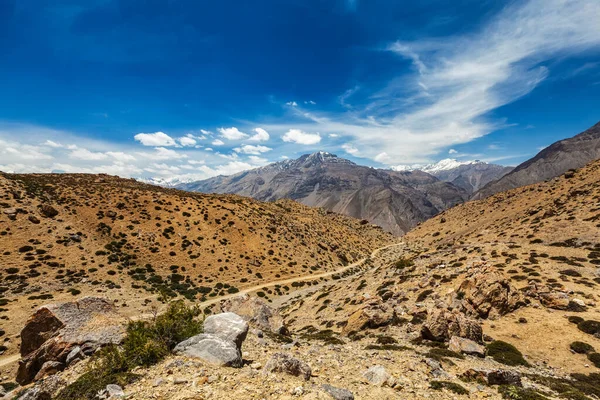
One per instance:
(575, 319)
(403, 263)
(451, 386)
(518, 393)
(582, 348)
(506, 353)
(595, 359)
(145, 344)
(591, 327)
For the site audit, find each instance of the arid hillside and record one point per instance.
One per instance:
(66, 236)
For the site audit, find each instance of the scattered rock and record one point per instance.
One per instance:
(227, 326)
(373, 314)
(442, 324)
(466, 346)
(503, 377)
(337, 393)
(44, 390)
(377, 375)
(257, 312)
(33, 219)
(49, 368)
(282, 362)
(48, 211)
(111, 392)
(212, 349)
(55, 330)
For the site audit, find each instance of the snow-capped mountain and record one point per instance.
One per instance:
(442, 165)
(469, 175)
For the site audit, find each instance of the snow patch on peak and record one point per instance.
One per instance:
(442, 165)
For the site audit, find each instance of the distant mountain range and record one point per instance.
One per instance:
(468, 175)
(549, 163)
(395, 200)
(398, 199)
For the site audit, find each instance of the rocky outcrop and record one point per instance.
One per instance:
(442, 324)
(256, 312)
(373, 314)
(284, 363)
(55, 330)
(554, 299)
(488, 294)
(221, 342)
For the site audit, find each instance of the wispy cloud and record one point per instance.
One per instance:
(458, 81)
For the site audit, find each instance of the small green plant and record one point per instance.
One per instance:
(451, 386)
(582, 348)
(595, 359)
(506, 353)
(145, 344)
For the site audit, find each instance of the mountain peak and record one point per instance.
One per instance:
(322, 157)
(442, 165)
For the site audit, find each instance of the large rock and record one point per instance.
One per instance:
(227, 326)
(373, 314)
(48, 211)
(442, 324)
(212, 349)
(284, 363)
(256, 312)
(466, 346)
(337, 393)
(377, 375)
(488, 294)
(52, 333)
(43, 390)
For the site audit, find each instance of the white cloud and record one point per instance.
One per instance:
(217, 142)
(205, 132)
(232, 133)
(50, 143)
(452, 151)
(256, 160)
(85, 154)
(120, 156)
(348, 148)
(291, 104)
(310, 102)
(161, 153)
(155, 139)
(333, 135)
(260, 136)
(187, 140)
(250, 149)
(300, 137)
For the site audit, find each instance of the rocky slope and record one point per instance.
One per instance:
(65, 236)
(394, 200)
(492, 299)
(552, 161)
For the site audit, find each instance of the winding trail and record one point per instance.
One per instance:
(16, 357)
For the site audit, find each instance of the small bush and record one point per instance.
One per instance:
(451, 386)
(591, 327)
(506, 353)
(574, 319)
(595, 359)
(582, 348)
(146, 344)
(518, 393)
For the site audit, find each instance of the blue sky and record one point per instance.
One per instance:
(190, 89)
